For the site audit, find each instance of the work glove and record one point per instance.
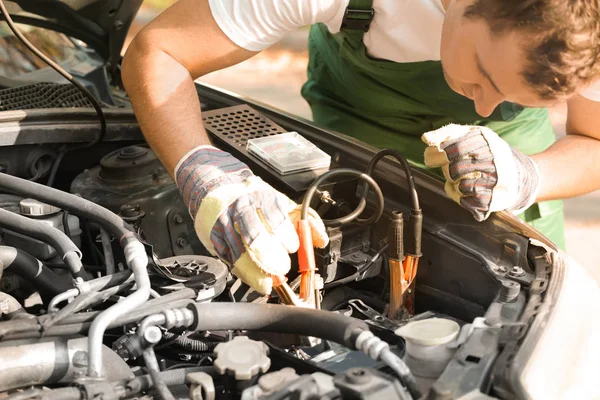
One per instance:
(483, 173)
(240, 218)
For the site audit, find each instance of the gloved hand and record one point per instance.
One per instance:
(483, 174)
(240, 218)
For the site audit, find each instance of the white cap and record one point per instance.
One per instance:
(34, 208)
(242, 357)
(429, 332)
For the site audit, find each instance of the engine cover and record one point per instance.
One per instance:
(132, 181)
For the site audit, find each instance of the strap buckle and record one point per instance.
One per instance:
(357, 20)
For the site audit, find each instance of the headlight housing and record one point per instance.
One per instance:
(560, 357)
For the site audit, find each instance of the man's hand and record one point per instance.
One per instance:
(240, 218)
(483, 174)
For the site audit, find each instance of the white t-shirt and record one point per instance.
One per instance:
(402, 30)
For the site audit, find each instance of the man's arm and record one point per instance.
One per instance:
(571, 166)
(180, 45)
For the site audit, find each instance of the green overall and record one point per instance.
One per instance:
(390, 105)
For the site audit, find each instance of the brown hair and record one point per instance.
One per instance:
(565, 45)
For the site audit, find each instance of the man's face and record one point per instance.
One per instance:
(481, 66)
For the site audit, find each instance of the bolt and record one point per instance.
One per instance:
(516, 271)
(500, 269)
(152, 335)
(181, 242)
(358, 376)
(178, 219)
(80, 359)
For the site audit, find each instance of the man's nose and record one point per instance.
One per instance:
(486, 102)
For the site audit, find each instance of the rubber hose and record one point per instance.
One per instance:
(29, 329)
(170, 378)
(353, 216)
(109, 281)
(156, 305)
(68, 393)
(31, 269)
(277, 318)
(47, 234)
(412, 190)
(66, 201)
(191, 344)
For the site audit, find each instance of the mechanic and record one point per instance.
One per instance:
(384, 77)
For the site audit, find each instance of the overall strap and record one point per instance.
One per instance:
(358, 17)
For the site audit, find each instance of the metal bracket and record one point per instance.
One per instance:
(202, 386)
(358, 20)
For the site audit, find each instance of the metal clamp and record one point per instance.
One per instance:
(373, 317)
(357, 20)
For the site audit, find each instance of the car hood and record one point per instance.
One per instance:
(101, 24)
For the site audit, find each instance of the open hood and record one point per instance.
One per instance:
(101, 24)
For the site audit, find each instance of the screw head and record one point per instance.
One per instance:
(178, 219)
(181, 242)
(516, 271)
(152, 334)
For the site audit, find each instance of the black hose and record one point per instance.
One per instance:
(405, 166)
(28, 267)
(66, 201)
(170, 378)
(65, 221)
(361, 270)
(277, 318)
(190, 344)
(47, 234)
(69, 78)
(109, 281)
(353, 216)
(415, 218)
(56, 165)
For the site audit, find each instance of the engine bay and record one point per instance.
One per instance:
(106, 291)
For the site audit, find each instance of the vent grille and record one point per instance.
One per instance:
(42, 95)
(235, 125)
(231, 128)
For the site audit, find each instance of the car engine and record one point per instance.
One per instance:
(107, 293)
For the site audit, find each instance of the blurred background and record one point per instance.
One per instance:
(275, 76)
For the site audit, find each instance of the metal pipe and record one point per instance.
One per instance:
(159, 384)
(395, 254)
(137, 260)
(78, 324)
(59, 298)
(94, 285)
(48, 361)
